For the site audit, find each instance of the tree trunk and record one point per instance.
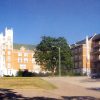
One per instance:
(53, 70)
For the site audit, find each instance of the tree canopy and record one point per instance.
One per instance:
(47, 53)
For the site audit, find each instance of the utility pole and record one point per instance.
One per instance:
(59, 60)
(59, 63)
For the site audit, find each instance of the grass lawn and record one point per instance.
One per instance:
(25, 83)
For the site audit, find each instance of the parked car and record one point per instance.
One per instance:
(95, 75)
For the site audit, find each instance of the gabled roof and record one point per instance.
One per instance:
(82, 41)
(79, 43)
(96, 37)
(26, 46)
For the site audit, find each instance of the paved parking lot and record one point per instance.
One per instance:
(76, 86)
(83, 81)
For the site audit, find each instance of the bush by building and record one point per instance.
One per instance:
(24, 73)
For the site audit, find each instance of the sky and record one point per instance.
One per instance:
(32, 19)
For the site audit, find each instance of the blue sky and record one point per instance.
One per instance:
(31, 19)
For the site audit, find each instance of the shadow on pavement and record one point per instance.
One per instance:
(95, 89)
(90, 80)
(79, 98)
(9, 94)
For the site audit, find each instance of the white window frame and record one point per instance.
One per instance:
(9, 52)
(19, 54)
(25, 60)
(19, 60)
(22, 66)
(25, 54)
(9, 58)
(9, 65)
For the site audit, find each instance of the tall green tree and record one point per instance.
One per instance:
(47, 54)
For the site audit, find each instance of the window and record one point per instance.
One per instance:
(9, 53)
(80, 64)
(3, 38)
(91, 57)
(76, 65)
(3, 52)
(25, 54)
(22, 66)
(9, 38)
(9, 65)
(91, 49)
(80, 49)
(80, 57)
(75, 50)
(9, 58)
(26, 60)
(19, 54)
(76, 57)
(3, 58)
(19, 60)
(4, 47)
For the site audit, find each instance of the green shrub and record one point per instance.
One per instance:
(70, 73)
(20, 73)
(7, 76)
(27, 74)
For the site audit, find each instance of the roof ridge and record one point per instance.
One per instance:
(27, 46)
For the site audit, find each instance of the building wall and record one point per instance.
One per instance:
(86, 61)
(77, 58)
(22, 59)
(6, 43)
(82, 58)
(11, 60)
(95, 61)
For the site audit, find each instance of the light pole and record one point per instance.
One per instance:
(59, 60)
